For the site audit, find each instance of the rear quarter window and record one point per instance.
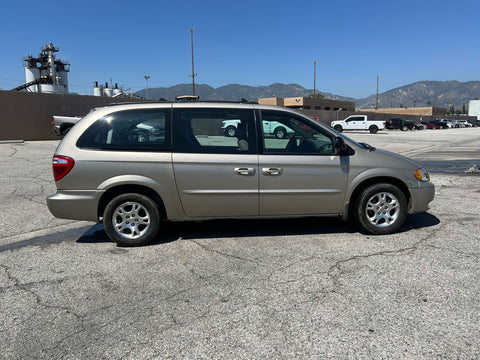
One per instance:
(143, 129)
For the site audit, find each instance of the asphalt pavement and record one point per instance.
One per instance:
(242, 289)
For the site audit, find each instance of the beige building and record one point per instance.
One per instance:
(424, 111)
(306, 103)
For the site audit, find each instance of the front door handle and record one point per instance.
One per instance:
(272, 171)
(245, 171)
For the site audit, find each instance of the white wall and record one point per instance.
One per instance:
(474, 108)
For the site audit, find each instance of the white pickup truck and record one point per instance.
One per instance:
(358, 122)
(62, 124)
(229, 127)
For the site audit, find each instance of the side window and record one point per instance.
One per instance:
(214, 131)
(355, 118)
(143, 129)
(289, 134)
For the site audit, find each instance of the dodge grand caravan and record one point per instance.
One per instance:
(193, 170)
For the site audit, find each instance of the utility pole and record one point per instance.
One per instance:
(314, 77)
(376, 100)
(146, 82)
(193, 69)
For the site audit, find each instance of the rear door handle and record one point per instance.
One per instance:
(245, 171)
(272, 171)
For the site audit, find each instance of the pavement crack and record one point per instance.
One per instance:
(14, 151)
(464, 253)
(27, 287)
(206, 248)
(335, 271)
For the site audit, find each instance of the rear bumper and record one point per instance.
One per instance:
(75, 205)
(421, 197)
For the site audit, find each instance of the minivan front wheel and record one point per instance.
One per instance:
(131, 219)
(380, 209)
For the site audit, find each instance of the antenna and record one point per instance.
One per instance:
(193, 69)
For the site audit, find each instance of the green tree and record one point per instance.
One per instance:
(317, 96)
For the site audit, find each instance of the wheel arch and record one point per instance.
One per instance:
(114, 191)
(363, 184)
(65, 127)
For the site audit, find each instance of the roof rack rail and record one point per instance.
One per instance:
(161, 101)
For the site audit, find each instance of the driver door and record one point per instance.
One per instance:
(301, 173)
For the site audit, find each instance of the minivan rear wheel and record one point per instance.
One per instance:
(380, 209)
(131, 219)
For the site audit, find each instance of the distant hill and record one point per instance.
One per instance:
(234, 92)
(426, 93)
(422, 93)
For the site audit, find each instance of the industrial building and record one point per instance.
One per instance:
(416, 111)
(325, 110)
(45, 73)
(307, 103)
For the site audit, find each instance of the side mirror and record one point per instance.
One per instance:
(340, 146)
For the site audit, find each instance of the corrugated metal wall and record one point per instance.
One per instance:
(28, 116)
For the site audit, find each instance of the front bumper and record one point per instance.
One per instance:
(75, 204)
(421, 197)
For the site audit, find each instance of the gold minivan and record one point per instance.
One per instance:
(133, 166)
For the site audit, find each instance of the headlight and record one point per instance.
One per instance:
(422, 175)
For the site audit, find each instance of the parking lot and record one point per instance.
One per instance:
(242, 289)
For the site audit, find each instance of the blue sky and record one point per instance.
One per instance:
(247, 42)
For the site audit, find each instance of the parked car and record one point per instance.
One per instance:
(442, 124)
(431, 125)
(191, 172)
(465, 123)
(419, 125)
(397, 123)
(230, 128)
(446, 123)
(62, 124)
(358, 122)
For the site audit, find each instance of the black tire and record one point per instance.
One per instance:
(380, 209)
(66, 130)
(280, 132)
(129, 208)
(373, 129)
(138, 137)
(231, 131)
(339, 128)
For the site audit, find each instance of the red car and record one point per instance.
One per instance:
(430, 125)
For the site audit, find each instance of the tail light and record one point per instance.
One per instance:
(62, 165)
(53, 121)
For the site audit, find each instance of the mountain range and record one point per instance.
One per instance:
(422, 93)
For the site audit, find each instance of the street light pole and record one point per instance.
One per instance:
(314, 77)
(193, 69)
(376, 100)
(146, 82)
